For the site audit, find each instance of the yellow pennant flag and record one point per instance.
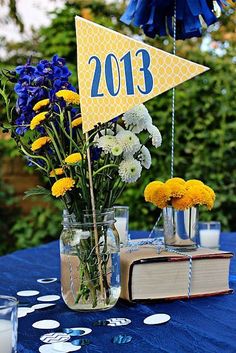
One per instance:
(116, 72)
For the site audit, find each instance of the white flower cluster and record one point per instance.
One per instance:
(137, 119)
(125, 144)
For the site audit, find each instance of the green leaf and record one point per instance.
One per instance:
(37, 191)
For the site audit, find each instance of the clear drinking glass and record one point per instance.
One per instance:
(8, 324)
(122, 223)
(209, 234)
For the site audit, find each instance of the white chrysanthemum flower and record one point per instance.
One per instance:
(145, 157)
(116, 150)
(128, 141)
(102, 133)
(106, 143)
(119, 128)
(137, 119)
(130, 170)
(156, 135)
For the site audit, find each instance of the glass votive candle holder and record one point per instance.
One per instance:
(8, 324)
(209, 234)
(121, 214)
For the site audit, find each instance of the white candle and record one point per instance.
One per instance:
(121, 227)
(5, 336)
(209, 238)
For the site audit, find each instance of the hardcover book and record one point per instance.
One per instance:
(147, 275)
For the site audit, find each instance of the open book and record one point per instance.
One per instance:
(147, 275)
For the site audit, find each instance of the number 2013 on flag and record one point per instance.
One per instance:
(125, 63)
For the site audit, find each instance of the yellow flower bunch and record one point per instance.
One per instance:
(179, 193)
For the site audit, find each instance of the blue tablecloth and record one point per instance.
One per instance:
(199, 325)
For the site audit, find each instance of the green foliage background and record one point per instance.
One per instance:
(205, 143)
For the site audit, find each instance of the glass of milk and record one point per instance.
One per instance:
(122, 223)
(8, 324)
(209, 234)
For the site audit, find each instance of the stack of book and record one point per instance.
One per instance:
(147, 275)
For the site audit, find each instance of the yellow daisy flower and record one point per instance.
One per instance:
(177, 189)
(73, 158)
(40, 142)
(56, 171)
(151, 189)
(61, 186)
(41, 104)
(76, 122)
(69, 96)
(37, 120)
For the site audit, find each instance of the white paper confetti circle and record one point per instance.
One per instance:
(157, 319)
(48, 298)
(65, 347)
(27, 293)
(118, 321)
(55, 337)
(22, 312)
(46, 324)
(46, 280)
(46, 348)
(42, 306)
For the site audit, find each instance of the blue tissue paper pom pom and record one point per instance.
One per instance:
(156, 16)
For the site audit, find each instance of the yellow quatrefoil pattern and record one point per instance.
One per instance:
(167, 71)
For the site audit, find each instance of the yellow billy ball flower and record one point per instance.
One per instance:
(76, 122)
(73, 158)
(61, 186)
(69, 97)
(176, 180)
(56, 171)
(177, 189)
(151, 189)
(193, 182)
(40, 142)
(182, 203)
(162, 196)
(211, 199)
(41, 104)
(37, 120)
(199, 195)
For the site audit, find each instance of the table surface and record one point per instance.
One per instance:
(197, 325)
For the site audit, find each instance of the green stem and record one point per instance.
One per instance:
(105, 167)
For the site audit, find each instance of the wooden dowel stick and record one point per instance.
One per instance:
(94, 215)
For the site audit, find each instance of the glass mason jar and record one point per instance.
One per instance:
(180, 228)
(90, 262)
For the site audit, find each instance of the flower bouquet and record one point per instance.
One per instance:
(179, 200)
(46, 124)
